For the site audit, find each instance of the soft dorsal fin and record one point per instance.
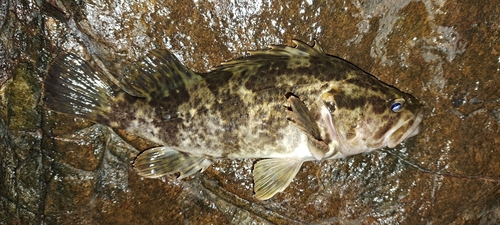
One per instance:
(158, 74)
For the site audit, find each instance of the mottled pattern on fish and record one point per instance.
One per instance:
(287, 104)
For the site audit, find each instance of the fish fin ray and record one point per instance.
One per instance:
(73, 87)
(318, 47)
(159, 161)
(275, 52)
(318, 148)
(274, 175)
(301, 49)
(158, 74)
(300, 115)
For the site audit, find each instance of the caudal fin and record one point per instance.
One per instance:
(74, 88)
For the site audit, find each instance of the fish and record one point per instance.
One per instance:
(281, 106)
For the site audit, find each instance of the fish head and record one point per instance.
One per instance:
(361, 114)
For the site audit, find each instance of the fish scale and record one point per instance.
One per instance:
(285, 105)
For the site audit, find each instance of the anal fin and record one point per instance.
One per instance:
(159, 161)
(274, 175)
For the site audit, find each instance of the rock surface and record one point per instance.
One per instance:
(62, 170)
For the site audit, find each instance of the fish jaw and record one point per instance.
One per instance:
(414, 128)
(393, 137)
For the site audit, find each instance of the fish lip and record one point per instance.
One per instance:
(417, 125)
(417, 129)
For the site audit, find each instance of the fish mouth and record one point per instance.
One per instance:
(413, 130)
(394, 137)
(416, 129)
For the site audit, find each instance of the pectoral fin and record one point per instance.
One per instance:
(317, 148)
(157, 162)
(274, 175)
(301, 116)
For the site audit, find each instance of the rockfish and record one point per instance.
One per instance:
(286, 105)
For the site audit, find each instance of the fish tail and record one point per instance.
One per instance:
(73, 87)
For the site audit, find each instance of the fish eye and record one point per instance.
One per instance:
(397, 105)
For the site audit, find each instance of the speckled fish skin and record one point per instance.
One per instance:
(285, 104)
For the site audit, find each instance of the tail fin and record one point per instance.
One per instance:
(74, 88)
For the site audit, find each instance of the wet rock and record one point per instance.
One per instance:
(62, 170)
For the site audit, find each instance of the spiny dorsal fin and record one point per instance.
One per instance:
(158, 74)
(298, 56)
(301, 49)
